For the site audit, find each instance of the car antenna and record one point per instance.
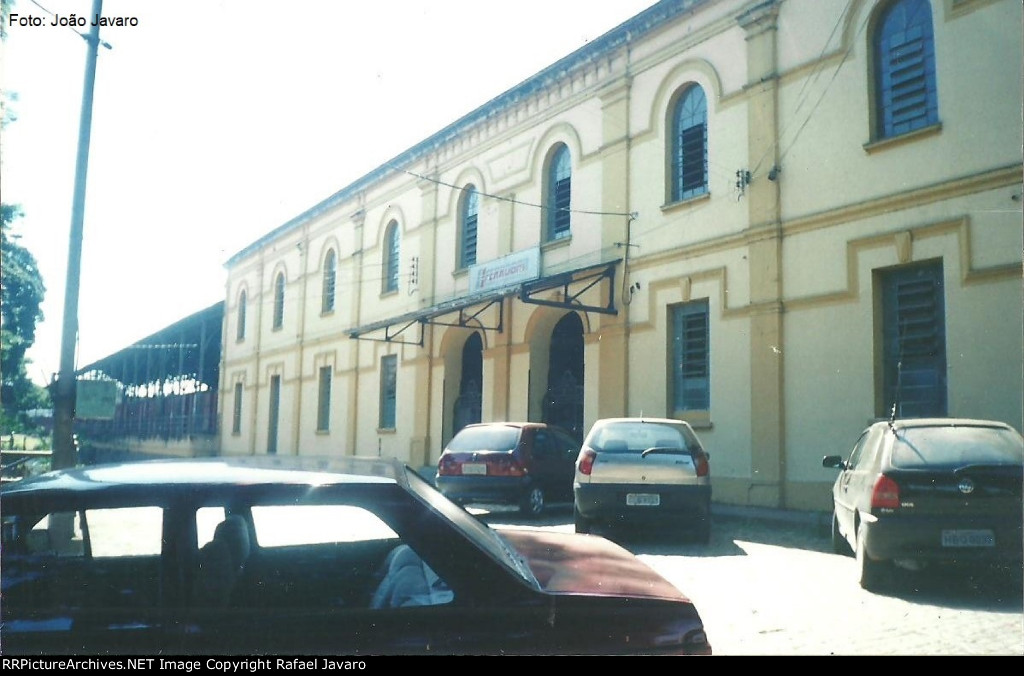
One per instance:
(899, 379)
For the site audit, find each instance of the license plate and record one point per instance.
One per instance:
(968, 538)
(474, 468)
(643, 499)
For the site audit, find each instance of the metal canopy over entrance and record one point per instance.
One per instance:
(574, 284)
(583, 278)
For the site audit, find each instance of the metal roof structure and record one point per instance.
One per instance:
(187, 349)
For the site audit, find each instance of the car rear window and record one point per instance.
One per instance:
(485, 439)
(917, 447)
(635, 437)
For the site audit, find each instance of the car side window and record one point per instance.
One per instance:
(65, 562)
(566, 445)
(865, 452)
(97, 533)
(291, 525)
(692, 442)
(542, 446)
(872, 446)
(858, 451)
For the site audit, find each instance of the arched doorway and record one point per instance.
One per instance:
(563, 401)
(467, 404)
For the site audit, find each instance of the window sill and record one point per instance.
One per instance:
(908, 137)
(699, 420)
(323, 433)
(239, 340)
(385, 430)
(276, 328)
(556, 243)
(688, 202)
(327, 313)
(385, 294)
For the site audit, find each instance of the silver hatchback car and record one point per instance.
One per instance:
(643, 471)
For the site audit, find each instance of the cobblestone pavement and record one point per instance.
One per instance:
(772, 586)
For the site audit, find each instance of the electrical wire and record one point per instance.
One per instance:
(804, 94)
(634, 215)
(70, 28)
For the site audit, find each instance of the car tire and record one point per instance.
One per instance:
(839, 543)
(532, 504)
(581, 523)
(872, 575)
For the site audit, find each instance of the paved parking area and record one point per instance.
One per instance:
(769, 584)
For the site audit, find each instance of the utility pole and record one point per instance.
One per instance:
(65, 452)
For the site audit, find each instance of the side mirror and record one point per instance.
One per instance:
(833, 462)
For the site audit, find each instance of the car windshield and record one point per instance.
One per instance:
(483, 535)
(917, 447)
(638, 436)
(485, 439)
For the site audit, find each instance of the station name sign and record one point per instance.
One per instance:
(515, 268)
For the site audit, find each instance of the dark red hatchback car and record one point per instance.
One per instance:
(521, 463)
(302, 556)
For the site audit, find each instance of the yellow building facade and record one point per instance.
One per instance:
(775, 219)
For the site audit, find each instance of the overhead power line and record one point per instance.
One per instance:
(631, 215)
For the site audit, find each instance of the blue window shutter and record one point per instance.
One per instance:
(690, 145)
(914, 360)
(691, 357)
(907, 92)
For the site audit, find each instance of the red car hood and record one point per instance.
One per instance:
(588, 564)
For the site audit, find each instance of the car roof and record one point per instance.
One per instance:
(671, 421)
(906, 423)
(507, 423)
(215, 471)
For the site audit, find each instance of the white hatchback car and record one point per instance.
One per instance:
(643, 471)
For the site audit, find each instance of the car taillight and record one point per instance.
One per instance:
(505, 465)
(446, 465)
(585, 462)
(701, 461)
(885, 494)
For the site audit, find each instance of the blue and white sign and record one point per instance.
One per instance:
(516, 268)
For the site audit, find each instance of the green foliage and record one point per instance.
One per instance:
(5, 9)
(21, 297)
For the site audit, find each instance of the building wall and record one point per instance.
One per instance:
(805, 212)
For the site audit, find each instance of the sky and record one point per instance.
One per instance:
(215, 121)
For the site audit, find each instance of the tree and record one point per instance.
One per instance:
(21, 294)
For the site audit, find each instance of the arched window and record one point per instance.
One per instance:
(391, 257)
(279, 301)
(906, 93)
(330, 279)
(559, 194)
(468, 212)
(690, 145)
(240, 328)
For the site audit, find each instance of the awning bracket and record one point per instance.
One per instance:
(571, 299)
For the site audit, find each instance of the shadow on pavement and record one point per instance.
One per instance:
(984, 588)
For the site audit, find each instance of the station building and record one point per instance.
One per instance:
(779, 220)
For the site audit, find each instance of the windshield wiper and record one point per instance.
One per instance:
(663, 449)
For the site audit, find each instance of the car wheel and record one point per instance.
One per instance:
(872, 575)
(532, 504)
(582, 523)
(839, 543)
